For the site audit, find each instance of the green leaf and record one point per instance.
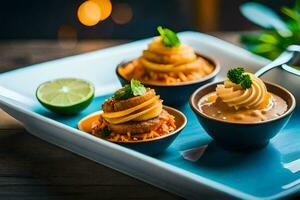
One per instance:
(297, 5)
(264, 17)
(274, 41)
(291, 13)
(250, 38)
(263, 48)
(123, 93)
(169, 37)
(268, 38)
(137, 88)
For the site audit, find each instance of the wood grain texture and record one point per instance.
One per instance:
(33, 169)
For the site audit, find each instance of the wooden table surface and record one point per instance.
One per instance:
(31, 168)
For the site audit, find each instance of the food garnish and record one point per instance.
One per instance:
(65, 96)
(246, 81)
(135, 88)
(169, 37)
(239, 76)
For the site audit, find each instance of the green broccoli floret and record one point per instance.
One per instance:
(235, 74)
(246, 81)
(239, 76)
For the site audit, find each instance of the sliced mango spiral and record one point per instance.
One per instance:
(256, 97)
(144, 111)
(159, 57)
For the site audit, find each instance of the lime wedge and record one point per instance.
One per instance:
(65, 96)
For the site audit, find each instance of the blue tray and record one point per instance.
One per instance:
(193, 166)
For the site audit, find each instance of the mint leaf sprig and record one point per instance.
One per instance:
(123, 93)
(169, 38)
(239, 76)
(135, 88)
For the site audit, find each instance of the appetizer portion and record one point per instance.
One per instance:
(65, 96)
(133, 113)
(243, 97)
(167, 61)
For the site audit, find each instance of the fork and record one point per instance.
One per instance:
(290, 56)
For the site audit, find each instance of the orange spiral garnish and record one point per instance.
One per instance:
(167, 65)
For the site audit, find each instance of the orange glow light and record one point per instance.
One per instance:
(89, 13)
(105, 7)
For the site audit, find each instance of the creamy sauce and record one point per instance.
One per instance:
(220, 110)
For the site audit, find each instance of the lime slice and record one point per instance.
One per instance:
(65, 96)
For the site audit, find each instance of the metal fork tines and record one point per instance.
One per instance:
(287, 60)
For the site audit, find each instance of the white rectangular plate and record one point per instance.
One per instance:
(170, 171)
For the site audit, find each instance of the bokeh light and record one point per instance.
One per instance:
(122, 13)
(89, 13)
(105, 8)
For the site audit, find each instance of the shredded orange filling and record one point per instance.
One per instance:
(165, 126)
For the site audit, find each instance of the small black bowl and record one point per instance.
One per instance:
(150, 146)
(179, 93)
(243, 136)
(157, 145)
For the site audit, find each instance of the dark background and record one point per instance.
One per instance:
(44, 19)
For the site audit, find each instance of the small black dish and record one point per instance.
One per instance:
(242, 136)
(157, 145)
(150, 146)
(176, 94)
